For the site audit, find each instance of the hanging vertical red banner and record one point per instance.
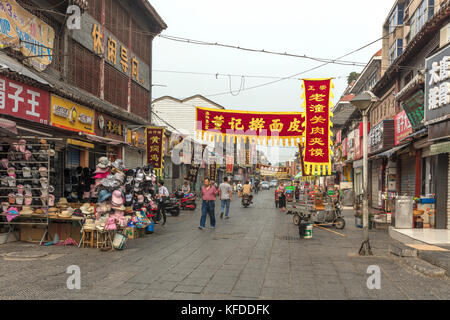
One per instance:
(317, 151)
(155, 146)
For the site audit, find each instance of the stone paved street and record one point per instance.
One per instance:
(253, 255)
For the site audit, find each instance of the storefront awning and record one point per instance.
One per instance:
(103, 139)
(412, 135)
(8, 127)
(390, 152)
(438, 148)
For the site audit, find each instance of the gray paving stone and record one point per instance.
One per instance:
(188, 289)
(163, 285)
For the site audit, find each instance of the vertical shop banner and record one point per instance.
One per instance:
(155, 147)
(22, 101)
(26, 33)
(213, 172)
(402, 127)
(192, 173)
(317, 152)
(358, 144)
(230, 162)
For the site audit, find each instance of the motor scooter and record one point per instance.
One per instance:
(246, 200)
(187, 202)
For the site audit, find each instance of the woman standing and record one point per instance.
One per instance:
(282, 196)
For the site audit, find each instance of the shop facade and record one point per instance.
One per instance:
(437, 117)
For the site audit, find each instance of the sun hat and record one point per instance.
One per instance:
(43, 171)
(11, 181)
(100, 170)
(62, 202)
(12, 213)
(118, 208)
(26, 210)
(118, 164)
(28, 199)
(39, 211)
(51, 152)
(67, 213)
(19, 199)
(4, 180)
(103, 163)
(140, 177)
(42, 155)
(27, 188)
(44, 182)
(87, 210)
(20, 189)
(116, 199)
(89, 224)
(5, 206)
(111, 224)
(53, 212)
(11, 172)
(5, 162)
(26, 172)
(51, 200)
(22, 145)
(104, 195)
(119, 177)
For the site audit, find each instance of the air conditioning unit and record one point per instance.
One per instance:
(444, 36)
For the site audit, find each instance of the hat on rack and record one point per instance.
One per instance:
(118, 208)
(51, 200)
(4, 181)
(11, 181)
(19, 199)
(118, 164)
(111, 224)
(129, 210)
(103, 163)
(12, 213)
(89, 224)
(104, 195)
(15, 146)
(22, 145)
(5, 163)
(26, 210)
(43, 171)
(20, 189)
(26, 172)
(5, 206)
(28, 199)
(44, 182)
(101, 170)
(87, 209)
(62, 202)
(12, 198)
(39, 211)
(51, 152)
(53, 212)
(11, 172)
(117, 199)
(78, 213)
(42, 156)
(119, 177)
(43, 143)
(27, 188)
(28, 155)
(67, 213)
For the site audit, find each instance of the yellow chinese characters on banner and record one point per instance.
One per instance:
(26, 33)
(69, 115)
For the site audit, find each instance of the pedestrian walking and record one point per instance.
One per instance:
(225, 197)
(282, 197)
(162, 196)
(209, 194)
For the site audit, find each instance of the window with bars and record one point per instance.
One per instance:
(140, 42)
(116, 87)
(84, 68)
(117, 20)
(140, 99)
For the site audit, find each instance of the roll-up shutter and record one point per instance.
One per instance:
(133, 158)
(376, 166)
(407, 175)
(73, 158)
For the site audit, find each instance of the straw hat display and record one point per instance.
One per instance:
(39, 211)
(62, 203)
(67, 213)
(53, 212)
(26, 211)
(89, 224)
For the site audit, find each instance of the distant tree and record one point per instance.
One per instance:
(352, 76)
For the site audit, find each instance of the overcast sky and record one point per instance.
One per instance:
(324, 29)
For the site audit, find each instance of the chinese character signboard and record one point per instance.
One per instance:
(358, 145)
(413, 107)
(103, 43)
(230, 162)
(266, 170)
(381, 136)
(317, 151)
(107, 126)
(213, 172)
(71, 116)
(402, 127)
(155, 146)
(351, 145)
(23, 101)
(259, 126)
(26, 33)
(437, 86)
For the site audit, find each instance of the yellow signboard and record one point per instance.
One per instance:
(69, 115)
(25, 32)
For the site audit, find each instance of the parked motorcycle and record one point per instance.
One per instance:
(172, 205)
(187, 202)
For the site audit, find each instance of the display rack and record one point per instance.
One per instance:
(33, 219)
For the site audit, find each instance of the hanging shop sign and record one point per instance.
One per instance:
(414, 109)
(103, 43)
(155, 146)
(317, 151)
(137, 138)
(437, 86)
(350, 145)
(339, 137)
(260, 127)
(24, 32)
(402, 127)
(381, 136)
(109, 127)
(192, 173)
(230, 162)
(213, 172)
(358, 145)
(71, 116)
(23, 101)
(267, 170)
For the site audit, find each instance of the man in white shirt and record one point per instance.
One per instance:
(163, 193)
(225, 192)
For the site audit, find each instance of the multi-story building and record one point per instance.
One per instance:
(86, 86)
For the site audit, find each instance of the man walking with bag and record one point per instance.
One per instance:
(209, 194)
(225, 197)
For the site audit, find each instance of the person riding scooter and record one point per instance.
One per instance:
(247, 191)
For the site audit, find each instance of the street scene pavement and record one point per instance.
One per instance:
(256, 254)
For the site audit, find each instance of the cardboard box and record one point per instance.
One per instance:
(131, 233)
(30, 233)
